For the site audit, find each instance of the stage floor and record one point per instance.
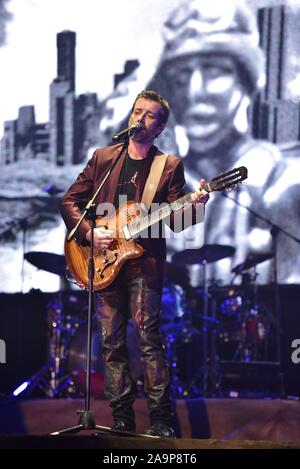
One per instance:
(215, 419)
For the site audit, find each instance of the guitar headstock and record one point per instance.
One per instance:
(227, 180)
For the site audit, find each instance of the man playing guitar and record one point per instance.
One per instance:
(133, 290)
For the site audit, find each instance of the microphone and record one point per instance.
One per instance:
(126, 133)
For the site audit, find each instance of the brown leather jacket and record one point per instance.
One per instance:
(170, 188)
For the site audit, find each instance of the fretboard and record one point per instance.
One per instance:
(137, 226)
(223, 181)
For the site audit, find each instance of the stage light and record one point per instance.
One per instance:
(21, 388)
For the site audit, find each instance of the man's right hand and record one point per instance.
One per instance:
(103, 238)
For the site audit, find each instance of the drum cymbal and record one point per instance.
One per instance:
(251, 261)
(207, 253)
(53, 263)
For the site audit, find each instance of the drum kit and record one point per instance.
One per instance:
(64, 374)
(197, 329)
(64, 321)
(200, 334)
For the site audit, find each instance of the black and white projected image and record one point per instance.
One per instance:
(232, 86)
(232, 77)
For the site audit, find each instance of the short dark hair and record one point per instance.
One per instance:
(154, 96)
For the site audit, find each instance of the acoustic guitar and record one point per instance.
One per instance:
(127, 223)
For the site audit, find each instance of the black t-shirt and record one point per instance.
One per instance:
(128, 180)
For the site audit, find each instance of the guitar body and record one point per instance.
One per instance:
(108, 262)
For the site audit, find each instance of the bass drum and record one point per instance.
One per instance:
(77, 354)
(184, 353)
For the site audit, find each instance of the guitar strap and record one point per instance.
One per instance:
(153, 179)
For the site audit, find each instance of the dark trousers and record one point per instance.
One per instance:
(130, 297)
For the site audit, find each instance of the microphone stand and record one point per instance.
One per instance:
(86, 419)
(278, 312)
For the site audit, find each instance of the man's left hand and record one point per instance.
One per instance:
(200, 196)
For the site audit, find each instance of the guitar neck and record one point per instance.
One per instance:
(223, 181)
(137, 226)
